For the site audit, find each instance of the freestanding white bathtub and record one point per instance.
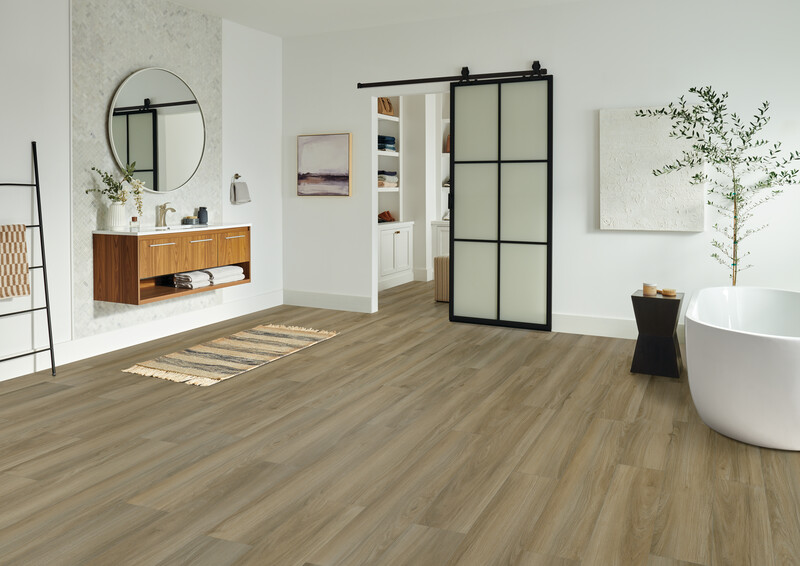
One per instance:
(743, 361)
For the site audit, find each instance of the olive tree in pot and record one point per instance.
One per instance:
(741, 171)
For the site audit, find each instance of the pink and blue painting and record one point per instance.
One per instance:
(323, 165)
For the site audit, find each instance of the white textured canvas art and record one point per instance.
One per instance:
(631, 197)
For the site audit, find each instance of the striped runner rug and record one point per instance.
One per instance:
(223, 358)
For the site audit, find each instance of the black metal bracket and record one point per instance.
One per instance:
(148, 105)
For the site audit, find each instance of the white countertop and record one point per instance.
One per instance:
(395, 224)
(151, 230)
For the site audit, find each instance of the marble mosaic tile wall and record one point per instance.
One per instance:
(110, 40)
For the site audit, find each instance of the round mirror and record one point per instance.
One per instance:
(156, 122)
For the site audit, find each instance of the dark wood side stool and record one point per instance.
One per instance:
(657, 351)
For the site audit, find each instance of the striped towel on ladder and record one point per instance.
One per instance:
(14, 281)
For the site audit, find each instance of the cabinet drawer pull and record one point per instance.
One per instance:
(397, 231)
(198, 241)
(167, 244)
(234, 237)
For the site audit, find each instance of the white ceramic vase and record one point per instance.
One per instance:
(115, 217)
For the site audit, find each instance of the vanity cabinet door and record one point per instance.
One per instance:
(159, 256)
(199, 251)
(233, 246)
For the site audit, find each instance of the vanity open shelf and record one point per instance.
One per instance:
(136, 267)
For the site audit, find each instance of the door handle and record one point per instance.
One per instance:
(167, 244)
(233, 237)
(198, 241)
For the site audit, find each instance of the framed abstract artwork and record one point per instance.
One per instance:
(631, 197)
(324, 163)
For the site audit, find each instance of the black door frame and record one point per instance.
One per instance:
(453, 202)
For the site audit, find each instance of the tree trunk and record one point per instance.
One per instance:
(735, 265)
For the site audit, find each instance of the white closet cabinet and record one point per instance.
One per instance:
(396, 254)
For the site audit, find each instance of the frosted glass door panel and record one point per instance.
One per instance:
(524, 120)
(476, 118)
(140, 131)
(523, 202)
(523, 283)
(475, 268)
(475, 218)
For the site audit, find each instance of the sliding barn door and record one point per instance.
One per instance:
(501, 202)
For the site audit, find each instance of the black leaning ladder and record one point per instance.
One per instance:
(43, 267)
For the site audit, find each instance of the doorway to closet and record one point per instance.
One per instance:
(410, 176)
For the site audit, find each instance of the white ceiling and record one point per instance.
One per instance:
(288, 18)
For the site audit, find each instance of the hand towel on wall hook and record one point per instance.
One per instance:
(240, 194)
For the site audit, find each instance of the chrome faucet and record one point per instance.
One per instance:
(161, 214)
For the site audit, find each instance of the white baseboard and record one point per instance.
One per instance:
(423, 274)
(602, 326)
(595, 326)
(332, 301)
(75, 350)
(394, 280)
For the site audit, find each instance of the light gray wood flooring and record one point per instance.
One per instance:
(404, 440)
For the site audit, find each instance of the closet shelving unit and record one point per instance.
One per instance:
(390, 160)
(43, 267)
(395, 239)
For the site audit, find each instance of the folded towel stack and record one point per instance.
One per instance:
(387, 143)
(387, 179)
(191, 279)
(225, 274)
(206, 277)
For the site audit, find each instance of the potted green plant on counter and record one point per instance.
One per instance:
(117, 192)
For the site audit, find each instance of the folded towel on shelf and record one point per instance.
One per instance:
(192, 284)
(384, 172)
(387, 184)
(240, 194)
(14, 279)
(229, 279)
(390, 178)
(388, 139)
(217, 273)
(191, 277)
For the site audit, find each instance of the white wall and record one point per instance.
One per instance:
(35, 48)
(416, 205)
(34, 66)
(611, 54)
(252, 117)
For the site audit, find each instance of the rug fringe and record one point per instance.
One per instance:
(330, 333)
(162, 374)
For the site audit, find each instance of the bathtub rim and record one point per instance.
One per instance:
(691, 308)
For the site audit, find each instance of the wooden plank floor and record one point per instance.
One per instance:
(406, 440)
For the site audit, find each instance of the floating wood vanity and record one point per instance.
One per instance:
(136, 268)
